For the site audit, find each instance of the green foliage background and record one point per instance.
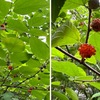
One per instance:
(24, 45)
(70, 79)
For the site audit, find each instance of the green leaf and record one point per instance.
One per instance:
(20, 57)
(4, 8)
(39, 94)
(17, 25)
(72, 94)
(56, 83)
(7, 96)
(68, 68)
(95, 84)
(37, 20)
(84, 78)
(59, 95)
(2, 53)
(57, 53)
(66, 34)
(95, 41)
(28, 6)
(39, 48)
(31, 67)
(96, 95)
(47, 97)
(2, 63)
(44, 78)
(37, 32)
(71, 4)
(56, 6)
(13, 44)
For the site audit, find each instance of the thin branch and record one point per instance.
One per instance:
(5, 78)
(83, 63)
(28, 78)
(33, 75)
(96, 80)
(88, 31)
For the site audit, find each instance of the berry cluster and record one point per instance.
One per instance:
(86, 50)
(96, 25)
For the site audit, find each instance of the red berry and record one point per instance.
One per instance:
(31, 88)
(10, 67)
(96, 24)
(3, 27)
(81, 23)
(29, 91)
(86, 50)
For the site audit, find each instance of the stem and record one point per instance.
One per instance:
(83, 63)
(5, 78)
(88, 31)
(97, 80)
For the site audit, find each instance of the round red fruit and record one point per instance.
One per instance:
(10, 67)
(96, 25)
(86, 50)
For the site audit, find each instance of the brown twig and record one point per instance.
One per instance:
(89, 20)
(83, 63)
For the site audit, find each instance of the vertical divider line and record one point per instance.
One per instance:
(50, 49)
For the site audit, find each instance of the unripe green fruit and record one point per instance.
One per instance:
(93, 4)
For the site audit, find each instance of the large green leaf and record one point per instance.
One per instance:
(57, 53)
(72, 94)
(39, 48)
(13, 44)
(20, 57)
(95, 84)
(17, 25)
(2, 62)
(68, 68)
(66, 34)
(95, 41)
(4, 8)
(37, 32)
(70, 4)
(56, 6)
(28, 6)
(59, 95)
(37, 20)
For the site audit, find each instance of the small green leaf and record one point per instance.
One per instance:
(4, 8)
(39, 48)
(56, 83)
(13, 44)
(84, 78)
(59, 95)
(66, 34)
(72, 94)
(17, 25)
(39, 94)
(96, 95)
(28, 6)
(68, 68)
